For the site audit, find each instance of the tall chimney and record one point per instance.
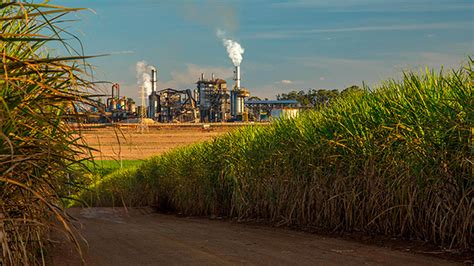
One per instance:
(237, 77)
(153, 80)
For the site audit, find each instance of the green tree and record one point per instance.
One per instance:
(351, 89)
(313, 98)
(254, 98)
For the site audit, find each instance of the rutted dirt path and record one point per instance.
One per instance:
(141, 237)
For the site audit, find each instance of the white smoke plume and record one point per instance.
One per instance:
(144, 76)
(234, 49)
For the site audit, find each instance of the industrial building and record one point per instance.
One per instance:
(210, 101)
(266, 110)
(117, 108)
(170, 105)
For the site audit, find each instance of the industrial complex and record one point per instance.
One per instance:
(210, 101)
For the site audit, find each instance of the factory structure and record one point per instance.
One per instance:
(118, 108)
(212, 100)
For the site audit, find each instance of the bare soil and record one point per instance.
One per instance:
(129, 143)
(118, 236)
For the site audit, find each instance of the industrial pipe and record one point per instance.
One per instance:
(116, 87)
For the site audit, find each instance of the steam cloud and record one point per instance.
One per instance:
(144, 76)
(234, 50)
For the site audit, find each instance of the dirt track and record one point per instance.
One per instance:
(141, 237)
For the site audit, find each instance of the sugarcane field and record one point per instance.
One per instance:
(239, 132)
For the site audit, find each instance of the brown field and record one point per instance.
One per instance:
(127, 143)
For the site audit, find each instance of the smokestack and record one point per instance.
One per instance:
(153, 80)
(237, 77)
(202, 76)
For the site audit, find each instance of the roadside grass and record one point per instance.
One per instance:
(105, 167)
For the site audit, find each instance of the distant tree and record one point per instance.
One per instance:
(351, 89)
(292, 95)
(312, 98)
(254, 98)
(317, 98)
(323, 97)
(301, 96)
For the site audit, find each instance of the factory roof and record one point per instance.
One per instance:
(272, 102)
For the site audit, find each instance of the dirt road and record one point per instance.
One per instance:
(141, 237)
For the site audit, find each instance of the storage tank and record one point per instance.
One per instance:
(153, 100)
(287, 113)
(122, 104)
(291, 112)
(113, 105)
(233, 103)
(132, 107)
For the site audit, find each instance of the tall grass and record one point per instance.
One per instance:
(37, 147)
(395, 161)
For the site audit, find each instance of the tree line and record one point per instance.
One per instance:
(314, 98)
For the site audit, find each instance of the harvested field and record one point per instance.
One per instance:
(127, 143)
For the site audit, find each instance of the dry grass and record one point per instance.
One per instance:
(37, 149)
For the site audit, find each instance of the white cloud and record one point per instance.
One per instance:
(401, 27)
(375, 5)
(322, 78)
(122, 52)
(289, 82)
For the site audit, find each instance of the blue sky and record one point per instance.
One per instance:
(297, 44)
